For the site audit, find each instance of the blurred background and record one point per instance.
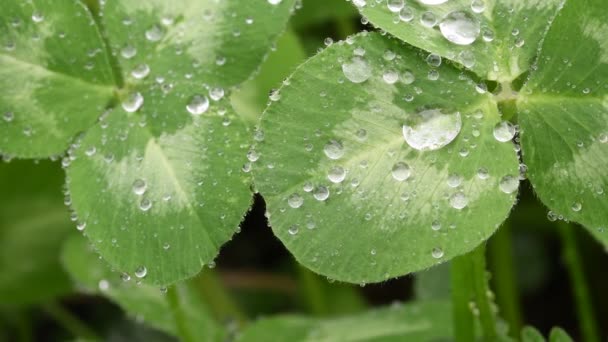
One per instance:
(254, 274)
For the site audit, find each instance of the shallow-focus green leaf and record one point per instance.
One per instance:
(530, 334)
(54, 75)
(216, 43)
(564, 118)
(33, 224)
(423, 321)
(345, 192)
(559, 335)
(497, 39)
(141, 301)
(433, 283)
(158, 182)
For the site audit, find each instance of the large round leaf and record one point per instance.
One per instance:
(54, 75)
(564, 118)
(349, 197)
(158, 181)
(497, 39)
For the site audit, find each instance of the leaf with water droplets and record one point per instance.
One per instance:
(564, 118)
(144, 302)
(54, 75)
(416, 321)
(417, 163)
(497, 39)
(163, 167)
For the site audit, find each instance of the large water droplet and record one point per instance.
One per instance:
(334, 149)
(504, 131)
(141, 271)
(459, 201)
(401, 171)
(198, 105)
(358, 70)
(509, 184)
(431, 129)
(139, 187)
(133, 102)
(336, 174)
(460, 28)
(295, 200)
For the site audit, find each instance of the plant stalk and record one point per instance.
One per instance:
(70, 322)
(179, 317)
(470, 297)
(574, 264)
(218, 298)
(505, 278)
(312, 292)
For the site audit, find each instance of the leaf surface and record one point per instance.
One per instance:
(54, 75)
(564, 118)
(506, 33)
(345, 192)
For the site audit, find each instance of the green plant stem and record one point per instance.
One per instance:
(218, 298)
(312, 292)
(505, 279)
(70, 322)
(173, 297)
(470, 284)
(574, 264)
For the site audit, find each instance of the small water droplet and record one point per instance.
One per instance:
(401, 171)
(141, 71)
(154, 33)
(141, 271)
(139, 187)
(295, 200)
(509, 184)
(431, 129)
(145, 204)
(334, 149)
(336, 174)
(133, 102)
(321, 193)
(198, 105)
(459, 201)
(437, 253)
(576, 207)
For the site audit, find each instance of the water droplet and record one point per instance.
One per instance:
(460, 28)
(509, 184)
(133, 102)
(406, 14)
(361, 134)
(321, 193)
(390, 77)
(274, 2)
(603, 138)
(8, 116)
(216, 94)
(437, 253)
(145, 204)
(295, 200)
(336, 174)
(431, 129)
(459, 201)
(275, 95)
(454, 180)
(141, 271)
(104, 285)
(37, 17)
(81, 226)
(407, 77)
(433, 60)
(154, 33)
(358, 70)
(141, 71)
(139, 187)
(504, 131)
(436, 225)
(401, 171)
(198, 105)
(395, 5)
(576, 207)
(334, 149)
(293, 230)
(483, 173)
(428, 19)
(478, 6)
(128, 51)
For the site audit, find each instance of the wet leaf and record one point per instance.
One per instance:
(368, 177)
(54, 75)
(164, 164)
(497, 39)
(564, 118)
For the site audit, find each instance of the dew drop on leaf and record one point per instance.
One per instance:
(395, 5)
(576, 207)
(133, 102)
(334, 149)
(198, 105)
(431, 129)
(139, 187)
(509, 184)
(504, 131)
(357, 70)
(145, 204)
(437, 253)
(141, 271)
(401, 171)
(460, 28)
(321, 193)
(336, 174)
(459, 201)
(295, 200)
